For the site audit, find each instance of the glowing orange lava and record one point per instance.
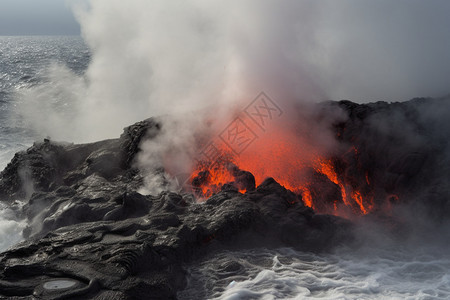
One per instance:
(290, 160)
(211, 178)
(359, 199)
(326, 168)
(306, 196)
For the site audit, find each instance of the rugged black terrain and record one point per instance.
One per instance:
(91, 235)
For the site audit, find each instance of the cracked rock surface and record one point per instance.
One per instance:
(90, 235)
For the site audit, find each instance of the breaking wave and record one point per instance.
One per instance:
(370, 273)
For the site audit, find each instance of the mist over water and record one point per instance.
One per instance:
(31, 88)
(368, 273)
(381, 264)
(151, 58)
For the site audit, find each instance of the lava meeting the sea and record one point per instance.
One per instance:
(320, 181)
(314, 151)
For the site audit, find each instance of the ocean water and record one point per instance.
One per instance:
(380, 271)
(24, 64)
(367, 273)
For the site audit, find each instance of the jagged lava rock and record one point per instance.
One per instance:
(90, 235)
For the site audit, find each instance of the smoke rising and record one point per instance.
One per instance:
(154, 57)
(10, 227)
(168, 152)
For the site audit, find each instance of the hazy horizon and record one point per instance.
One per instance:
(43, 17)
(359, 50)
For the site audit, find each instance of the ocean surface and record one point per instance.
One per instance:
(24, 64)
(376, 271)
(365, 273)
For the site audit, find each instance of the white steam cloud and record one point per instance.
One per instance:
(157, 57)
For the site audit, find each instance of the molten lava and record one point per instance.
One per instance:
(209, 180)
(291, 161)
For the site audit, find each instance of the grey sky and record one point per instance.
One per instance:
(37, 17)
(362, 50)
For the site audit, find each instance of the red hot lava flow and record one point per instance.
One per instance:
(295, 164)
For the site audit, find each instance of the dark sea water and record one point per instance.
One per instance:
(372, 272)
(24, 62)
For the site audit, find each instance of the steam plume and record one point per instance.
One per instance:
(155, 57)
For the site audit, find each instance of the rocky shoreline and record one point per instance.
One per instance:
(90, 235)
(86, 223)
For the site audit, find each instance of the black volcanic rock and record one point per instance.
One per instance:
(48, 165)
(91, 233)
(401, 149)
(89, 230)
(139, 245)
